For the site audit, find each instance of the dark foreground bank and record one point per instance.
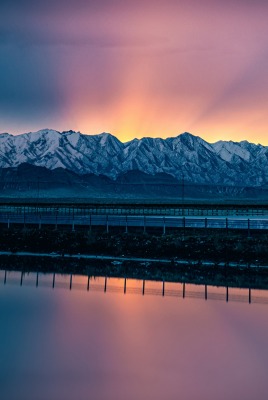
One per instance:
(214, 246)
(233, 260)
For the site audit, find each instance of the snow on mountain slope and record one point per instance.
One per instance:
(229, 150)
(186, 155)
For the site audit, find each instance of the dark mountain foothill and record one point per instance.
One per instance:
(29, 181)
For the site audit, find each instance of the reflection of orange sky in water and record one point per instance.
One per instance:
(154, 347)
(117, 346)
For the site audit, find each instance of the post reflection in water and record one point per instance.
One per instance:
(110, 338)
(134, 286)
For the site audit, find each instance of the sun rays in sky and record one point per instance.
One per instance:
(136, 68)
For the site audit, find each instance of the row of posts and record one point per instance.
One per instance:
(125, 286)
(126, 224)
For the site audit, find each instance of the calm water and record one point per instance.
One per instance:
(78, 344)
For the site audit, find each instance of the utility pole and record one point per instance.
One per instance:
(182, 188)
(182, 192)
(38, 188)
(37, 200)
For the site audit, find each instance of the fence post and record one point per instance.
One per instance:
(126, 225)
(40, 222)
(164, 226)
(248, 227)
(73, 224)
(226, 225)
(144, 224)
(107, 224)
(105, 284)
(8, 223)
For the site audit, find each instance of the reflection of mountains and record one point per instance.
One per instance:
(145, 287)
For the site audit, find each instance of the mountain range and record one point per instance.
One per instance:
(185, 156)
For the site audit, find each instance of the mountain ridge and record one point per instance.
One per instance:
(184, 156)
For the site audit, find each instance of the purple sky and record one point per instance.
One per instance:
(135, 68)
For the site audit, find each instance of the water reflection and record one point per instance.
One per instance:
(77, 341)
(134, 286)
(107, 338)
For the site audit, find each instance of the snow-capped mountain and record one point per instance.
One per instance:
(224, 163)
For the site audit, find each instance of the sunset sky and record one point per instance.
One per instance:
(136, 68)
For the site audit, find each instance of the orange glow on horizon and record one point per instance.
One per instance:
(135, 70)
(129, 122)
